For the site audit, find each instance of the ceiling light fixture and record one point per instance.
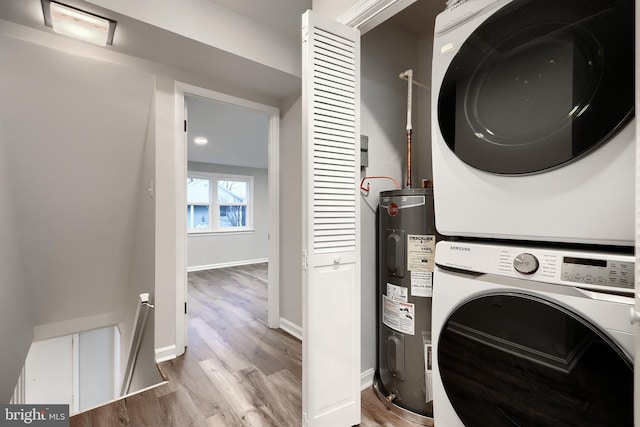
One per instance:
(200, 140)
(77, 23)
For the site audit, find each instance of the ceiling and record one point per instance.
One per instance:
(238, 136)
(141, 40)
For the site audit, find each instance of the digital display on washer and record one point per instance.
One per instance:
(585, 261)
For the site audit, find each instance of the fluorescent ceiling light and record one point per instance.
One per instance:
(200, 140)
(78, 24)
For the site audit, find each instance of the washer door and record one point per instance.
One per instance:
(540, 83)
(519, 360)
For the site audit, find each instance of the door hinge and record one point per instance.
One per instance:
(305, 259)
(185, 125)
(185, 308)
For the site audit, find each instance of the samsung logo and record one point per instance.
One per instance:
(460, 248)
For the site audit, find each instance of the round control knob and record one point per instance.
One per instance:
(526, 263)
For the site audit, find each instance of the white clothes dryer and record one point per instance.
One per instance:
(526, 336)
(533, 134)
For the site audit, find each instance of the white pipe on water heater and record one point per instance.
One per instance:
(409, 76)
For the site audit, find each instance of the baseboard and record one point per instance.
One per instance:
(366, 378)
(227, 264)
(291, 328)
(166, 353)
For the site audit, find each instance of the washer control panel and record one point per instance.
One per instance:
(610, 272)
(594, 271)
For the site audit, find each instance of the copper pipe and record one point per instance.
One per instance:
(368, 187)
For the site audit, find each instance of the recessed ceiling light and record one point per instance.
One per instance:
(200, 140)
(77, 23)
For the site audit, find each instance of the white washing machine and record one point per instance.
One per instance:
(526, 336)
(533, 120)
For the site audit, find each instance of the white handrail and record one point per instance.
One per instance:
(140, 322)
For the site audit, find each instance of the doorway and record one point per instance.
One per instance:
(237, 173)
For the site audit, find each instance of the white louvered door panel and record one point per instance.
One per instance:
(636, 314)
(331, 283)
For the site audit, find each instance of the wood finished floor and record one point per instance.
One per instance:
(236, 371)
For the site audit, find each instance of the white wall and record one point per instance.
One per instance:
(214, 250)
(95, 367)
(422, 113)
(49, 372)
(142, 271)
(291, 211)
(75, 129)
(387, 51)
(16, 324)
(166, 298)
(204, 21)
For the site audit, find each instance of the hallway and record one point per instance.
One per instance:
(235, 372)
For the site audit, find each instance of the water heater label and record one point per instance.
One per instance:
(421, 251)
(399, 316)
(421, 284)
(397, 293)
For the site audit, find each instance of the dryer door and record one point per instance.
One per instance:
(540, 83)
(512, 359)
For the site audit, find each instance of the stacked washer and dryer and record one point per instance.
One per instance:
(534, 166)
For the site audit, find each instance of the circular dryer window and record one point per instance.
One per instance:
(518, 360)
(540, 84)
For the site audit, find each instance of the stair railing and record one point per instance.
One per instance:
(140, 323)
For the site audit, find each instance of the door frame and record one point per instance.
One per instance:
(273, 281)
(365, 15)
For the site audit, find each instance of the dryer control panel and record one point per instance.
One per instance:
(610, 272)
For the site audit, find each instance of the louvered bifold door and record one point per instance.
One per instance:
(331, 249)
(635, 313)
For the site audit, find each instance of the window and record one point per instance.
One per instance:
(218, 202)
(198, 202)
(232, 203)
